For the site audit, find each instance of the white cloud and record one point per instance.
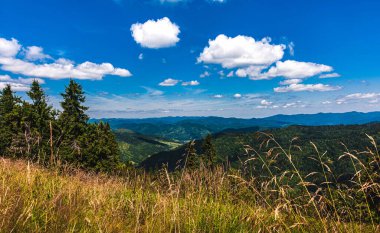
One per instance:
(169, 82)
(205, 74)
(332, 75)
(14, 86)
(291, 81)
(218, 96)
(266, 103)
(161, 33)
(9, 48)
(295, 70)
(5, 78)
(58, 69)
(306, 87)
(29, 81)
(370, 97)
(190, 83)
(241, 51)
(251, 71)
(34, 53)
(20, 84)
(141, 56)
(237, 96)
(261, 60)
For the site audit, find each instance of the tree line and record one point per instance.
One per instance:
(38, 132)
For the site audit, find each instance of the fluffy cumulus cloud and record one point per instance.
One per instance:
(34, 53)
(241, 51)
(262, 60)
(155, 34)
(9, 48)
(254, 72)
(296, 70)
(306, 87)
(57, 69)
(19, 84)
(369, 97)
(169, 82)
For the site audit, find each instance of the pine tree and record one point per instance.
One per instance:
(209, 152)
(191, 156)
(8, 101)
(73, 118)
(40, 118)
(42, 112)
(9, 118)
(72, 121)
(100, 149)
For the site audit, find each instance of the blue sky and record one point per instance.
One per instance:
(232, 58)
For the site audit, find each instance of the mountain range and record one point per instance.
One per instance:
(183, 129)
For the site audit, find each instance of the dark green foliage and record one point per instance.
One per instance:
(229, 146)
(33, 131)
(99, 150)
(72, 123)
(135, 147)
(39, 119)
(191, 158)
(73, 120)
(209, 152)
(10, 118)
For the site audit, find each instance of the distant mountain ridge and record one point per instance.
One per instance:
(187, 128)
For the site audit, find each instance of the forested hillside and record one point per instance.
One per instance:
(231, 146)
(135, 147)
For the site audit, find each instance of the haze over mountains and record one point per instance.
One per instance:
(188, 128)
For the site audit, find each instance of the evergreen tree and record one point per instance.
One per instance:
(191, 156)
(40, 118)
(72, 121)
(8, 101)
(209, 152)
(41, 112)
(73, 118)
(9, 118)
(26, 130)
(100, 150)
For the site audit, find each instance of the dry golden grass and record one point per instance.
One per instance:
(35, 199)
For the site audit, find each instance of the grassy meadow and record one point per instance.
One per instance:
(39, 199)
